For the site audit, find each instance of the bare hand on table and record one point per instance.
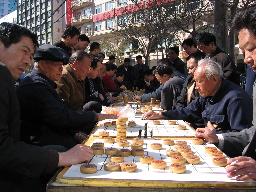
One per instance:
(106, 116)
(152, 115)
(207, 134)
(77, 154)
(137, 98)
(243, 170)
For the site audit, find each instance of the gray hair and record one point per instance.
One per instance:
(211, 68)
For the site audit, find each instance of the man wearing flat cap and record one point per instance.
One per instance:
(44, 119)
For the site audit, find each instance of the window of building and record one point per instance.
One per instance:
(110, 5)
(98, 26)
(122, 3)
(110, 23)
(88, 29)
(88, 12)
(98, 9)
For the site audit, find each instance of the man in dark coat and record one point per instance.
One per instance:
(207, 44)
(126, 69)
(24, 167)
(138, 73)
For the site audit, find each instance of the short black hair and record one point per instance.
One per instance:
(119, 75)
(94, 45)
(127, 60)
(165, 61)
(111, 57)
(197, 56)
(70, 31)
(175, 49)
(163, 69)
(11, 34)
(206, 38)
(78, 56)
(189, 42)
(138, 57)
(148, 72)
(101, 55)
(94, 63)
(83, 37)
(245, 20)
(110, 67)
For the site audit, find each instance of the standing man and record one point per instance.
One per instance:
(138, 73)
(83, 42)
(207, 44)
(189, 46)
(24, 167)
(70, 86)
(177, 63)
(69, 39)
(126, 69)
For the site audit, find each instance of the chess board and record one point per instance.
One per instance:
(204, 171)
(146, 129)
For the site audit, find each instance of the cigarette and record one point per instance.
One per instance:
(234, 162)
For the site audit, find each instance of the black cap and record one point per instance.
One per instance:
(52, 53)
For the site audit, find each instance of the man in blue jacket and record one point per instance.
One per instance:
(221, 102)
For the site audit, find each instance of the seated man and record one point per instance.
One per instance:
(189, 93)
(108, 82)
(44, 119)
(219, 100)
(119, 81)
(151, 82)
(24, 167)
(71, 84)
(172, 85)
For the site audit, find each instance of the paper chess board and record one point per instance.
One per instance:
(146, 129)
(204, 171)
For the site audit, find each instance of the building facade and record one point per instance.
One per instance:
(7, 6)
(47, 18)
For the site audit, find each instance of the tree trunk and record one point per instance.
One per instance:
(220, 24)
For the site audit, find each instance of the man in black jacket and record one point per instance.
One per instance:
(207, 44)
(24, 167)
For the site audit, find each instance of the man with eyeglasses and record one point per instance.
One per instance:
(44, 119)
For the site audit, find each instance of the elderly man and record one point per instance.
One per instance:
(219, 100)
(71, 84)
(44, 119)
(243, 142)
(24, 167)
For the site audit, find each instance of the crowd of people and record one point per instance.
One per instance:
(47, 117)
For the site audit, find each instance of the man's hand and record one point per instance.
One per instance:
(137, 98)
(123, 87)
(106, 116)
(111, 100)
(243, 170)
(77, 154)
(101, 97)
(207, 134)
(152, 115)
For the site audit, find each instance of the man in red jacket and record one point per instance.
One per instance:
(108, 82)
